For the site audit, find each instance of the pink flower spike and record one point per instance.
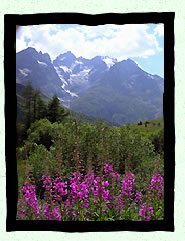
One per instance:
(142, 212)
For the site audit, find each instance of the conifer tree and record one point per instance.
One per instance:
(55, 110)
(41, 109)
(27, 94)
(36, 95)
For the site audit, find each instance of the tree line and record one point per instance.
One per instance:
(34, 108)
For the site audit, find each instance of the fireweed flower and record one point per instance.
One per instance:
(150, 210)
(118, 205)
(113, 182)
(89, 180)
(47, 184)
(105, 194)
(96, 187)
(30, 198)
(146, 212)
(51, 212)
(138, 198)
(112, 176)
(127, 186)
(21, 212)
(142, 212)
(156, 186)
(110, 168)
(116, 177)
(106, 183)
(87, 206)
(60, 190)
(79, 189)
(87, 194)
(106, 166)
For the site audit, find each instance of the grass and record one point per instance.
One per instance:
(20, 172)
(152, 126)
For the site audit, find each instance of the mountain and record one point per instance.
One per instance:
(77, 115)
(67, 76)
(103, 87)
(78, 74)
(126, 93)
(38, 69)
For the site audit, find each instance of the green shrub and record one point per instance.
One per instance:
(41, 162)
(39, 133)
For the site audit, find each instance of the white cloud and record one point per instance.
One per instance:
(159, 30)
(20, 45)
(116, 41)
(98, 31)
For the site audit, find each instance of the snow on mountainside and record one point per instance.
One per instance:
(80, 78)
(24, 72)
(79, 74)
(42, 63)
(109, 61)
(65, 69)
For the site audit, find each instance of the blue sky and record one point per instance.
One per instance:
(144, 43)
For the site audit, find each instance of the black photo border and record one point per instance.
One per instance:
(10, 22)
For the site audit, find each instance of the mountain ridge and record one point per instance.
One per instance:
(85, 85)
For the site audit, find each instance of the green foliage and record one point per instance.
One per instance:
(56, 144)
(32, 106)
(20, 172)
(20, 133)
(157, 139)
(41, 109)
(81, 117)
(154, 131)
(60, 147)
(42, 162)
(152, 125)
(135, 147)
(119, 145)
(39, 133)
(55, 111)
(27, 94)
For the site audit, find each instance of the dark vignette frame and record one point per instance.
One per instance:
(10, 22)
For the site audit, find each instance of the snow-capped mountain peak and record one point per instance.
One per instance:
(109, 61)
(102, 79)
